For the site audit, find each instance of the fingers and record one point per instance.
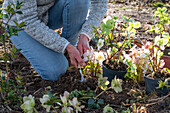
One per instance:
(83, 44)
(74, 62)
(80, 61)
(75, 57)
(86, 47)
(80, 48)
(77, 60)
(83, 47)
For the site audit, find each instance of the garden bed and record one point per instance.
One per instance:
(71, 81)
(132, 94)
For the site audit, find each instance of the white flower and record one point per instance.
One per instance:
(28, 104)
(111, 51)
(65, 97)
(116, 84)
(99, 56)
(44, 100)
(88, 55)
(66, 109)
(127, 57)
(76, 104)
(106, 19)
(100, 43)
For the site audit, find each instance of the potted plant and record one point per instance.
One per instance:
(164, 26)
(137, 61)
(115, 44)
(159, 79)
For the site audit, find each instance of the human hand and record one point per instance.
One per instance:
(83, 44)
(74, 55)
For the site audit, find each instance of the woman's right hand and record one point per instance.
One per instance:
(74, 55)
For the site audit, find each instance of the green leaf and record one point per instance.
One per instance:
(22, 24)
(164, 9)
(5, 16)
(16, 24)
(19, 4)
(19, 12)
(100, 101)
(96, 106)
(91, 103)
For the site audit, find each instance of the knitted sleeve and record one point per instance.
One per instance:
(97, 11)
(37, 29)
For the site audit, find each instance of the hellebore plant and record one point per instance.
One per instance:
(108, 109)
(116, 84)
(148, 58)
(93, 68)
(49, 100)
(138, 64)
(28, 105)
(44, 102)
(161, 41)
(163, 84)
(111, 43)
(65, 104)
(76, 104)
(86, 57)
(68, 106)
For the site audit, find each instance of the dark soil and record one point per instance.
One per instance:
(114, 66)
(70, 81)
(167, 50)
(161, 75)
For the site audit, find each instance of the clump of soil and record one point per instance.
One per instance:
(114, 66)
(160, 75)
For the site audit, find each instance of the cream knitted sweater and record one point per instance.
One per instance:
(35, 16)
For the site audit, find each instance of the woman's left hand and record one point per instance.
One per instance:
(83, 44)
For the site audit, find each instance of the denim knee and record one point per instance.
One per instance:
(53, 73)
(74, 16)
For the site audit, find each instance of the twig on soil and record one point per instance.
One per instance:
(8, 108)
(37, 91)
(158, 100)
(28, 84)
(35, 110)
(116, 106)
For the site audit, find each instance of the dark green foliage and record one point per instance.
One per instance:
(95, 103)
(82, 94)
(11, 90)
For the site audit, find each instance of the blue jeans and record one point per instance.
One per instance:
(69, 14)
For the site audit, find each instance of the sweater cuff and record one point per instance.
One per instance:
(89, 38)
(65, 47)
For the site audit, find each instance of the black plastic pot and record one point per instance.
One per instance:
(111, 73)
(167, 50)
(151, 84)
